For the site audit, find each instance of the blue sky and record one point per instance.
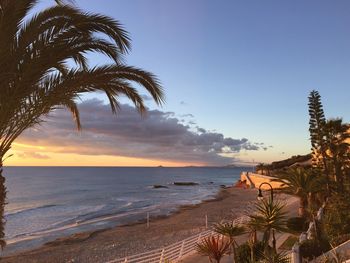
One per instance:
(242, 68)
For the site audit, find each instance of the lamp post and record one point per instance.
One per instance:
(260, 196)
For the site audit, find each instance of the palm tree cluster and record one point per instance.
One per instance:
(44, 66)
(306, 184)
(329, 178)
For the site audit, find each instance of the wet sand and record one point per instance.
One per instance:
(108, 244)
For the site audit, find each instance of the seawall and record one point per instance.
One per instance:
(254, 180)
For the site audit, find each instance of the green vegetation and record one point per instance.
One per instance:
(303, 183)
(249, 252)
(330, 159)
(338, 154)
(336, 222)
(297, 224)
(214, 248)
(326, 184)
(274, 258)
(276, 167)
(43, 66)
(317, 132)
(269, 217)
(230, 230)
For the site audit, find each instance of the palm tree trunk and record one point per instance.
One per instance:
(338, 174)
(2, 206)
(302, 204)
(274, 240)
(234, 253)
(252, 256)
(325, 170)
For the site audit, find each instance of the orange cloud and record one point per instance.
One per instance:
(47, 158)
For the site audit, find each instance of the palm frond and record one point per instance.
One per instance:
(213, 247)
(44, 66)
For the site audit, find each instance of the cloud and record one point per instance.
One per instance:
(146, 97)
(35, 155)
(187, 115)
(158, 135)
(201, 130)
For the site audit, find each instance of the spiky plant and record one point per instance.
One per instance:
(268, 218)
(273, 257)
(230, 230)
(214, 248)
(43, 66)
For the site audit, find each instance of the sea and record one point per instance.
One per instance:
(46, 203)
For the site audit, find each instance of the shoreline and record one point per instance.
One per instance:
(110, 243)
(18, 248)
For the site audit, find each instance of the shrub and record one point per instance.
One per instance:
(336, 221)
(310, 249)
(297, 224)
(213, 247)
(243, 252)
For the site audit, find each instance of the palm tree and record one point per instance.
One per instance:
(230, 230)
(301, 182)
(43, 66)
(214, 248)
(269, 217)
(338, 149)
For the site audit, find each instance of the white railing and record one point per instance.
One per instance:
(342, 251)
(173, 252)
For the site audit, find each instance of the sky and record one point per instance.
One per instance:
(236, 75)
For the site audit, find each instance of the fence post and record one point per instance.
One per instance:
(147, 219)
(181, 249)
(295, 253)
(161, 256)
(199, 237)
(206, 221)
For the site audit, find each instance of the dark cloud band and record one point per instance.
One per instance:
(158, 135)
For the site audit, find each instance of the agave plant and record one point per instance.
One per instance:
(44, 66)
(230, 230)
(269, 217)
(214, 248)
(273, 257)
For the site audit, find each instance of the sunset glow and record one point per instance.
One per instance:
(22, 157)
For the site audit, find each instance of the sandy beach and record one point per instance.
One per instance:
(101, 246)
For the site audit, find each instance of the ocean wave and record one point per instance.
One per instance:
(76, 224)
(28, 209)
(97, 212)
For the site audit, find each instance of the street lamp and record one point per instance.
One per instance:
(260, 196)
